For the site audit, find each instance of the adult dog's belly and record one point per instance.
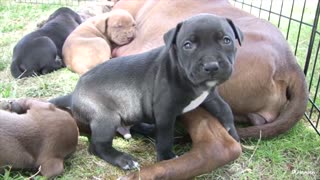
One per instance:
(266, 81)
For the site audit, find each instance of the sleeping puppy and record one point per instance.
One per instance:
(34, 134)
(92, 42)
(157, 86)
(40, 52)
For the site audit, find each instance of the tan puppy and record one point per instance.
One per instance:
(39, 135)
(208, 152)
(91, 42)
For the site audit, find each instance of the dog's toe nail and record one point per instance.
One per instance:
(127, 136)
(135, 164)
(126, 167)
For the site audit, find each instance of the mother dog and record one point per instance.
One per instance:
(158, 85)
(267, 88)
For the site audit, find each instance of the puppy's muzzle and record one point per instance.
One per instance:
(210, 67)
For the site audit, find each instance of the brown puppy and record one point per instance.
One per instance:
(92, 41)
(40, 135)
(267, 87)
(212, 147)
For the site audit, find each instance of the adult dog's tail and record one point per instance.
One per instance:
(292, 112)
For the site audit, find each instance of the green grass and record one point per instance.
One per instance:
(295, 151)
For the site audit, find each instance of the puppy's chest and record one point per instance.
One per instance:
(196, 102)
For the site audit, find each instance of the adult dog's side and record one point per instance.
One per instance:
(267, 88)
(40, 52)
(39, 135)
(157, 86)
(91, 43)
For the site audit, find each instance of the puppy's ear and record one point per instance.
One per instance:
(102, 25)
(237, 32)
(170, 36)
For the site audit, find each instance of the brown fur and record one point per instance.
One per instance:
(212, 147)
(267, 87)
(92, 41)
(41, 135)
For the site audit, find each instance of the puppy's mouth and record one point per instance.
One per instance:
(199, 77)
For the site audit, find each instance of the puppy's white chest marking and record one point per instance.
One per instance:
(195, 103)
(212, 83)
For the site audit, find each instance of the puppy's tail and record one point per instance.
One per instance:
(292, 112)
(62, 101)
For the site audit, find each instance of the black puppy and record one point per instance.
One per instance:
(39, 52)
(157, 86)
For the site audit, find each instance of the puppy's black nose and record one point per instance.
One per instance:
(211, 66)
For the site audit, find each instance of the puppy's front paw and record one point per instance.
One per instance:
(166, 155)
(126, 162)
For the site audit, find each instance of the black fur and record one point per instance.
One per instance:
(157, 86)
(40, 52)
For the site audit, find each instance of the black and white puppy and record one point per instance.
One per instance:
(39, 52)
(157, 86)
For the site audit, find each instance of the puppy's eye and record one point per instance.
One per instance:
(226, 40)
(188, 45)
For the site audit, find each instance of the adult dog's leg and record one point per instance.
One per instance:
(212, 147)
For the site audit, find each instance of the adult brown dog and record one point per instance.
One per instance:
(91, 42)
(267, 87)
(39, 135)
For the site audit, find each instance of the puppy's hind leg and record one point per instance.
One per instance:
(103, 129)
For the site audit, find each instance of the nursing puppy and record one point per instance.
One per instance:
(39, 135)
(91, 42)
(157, 86)
(40, 52)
